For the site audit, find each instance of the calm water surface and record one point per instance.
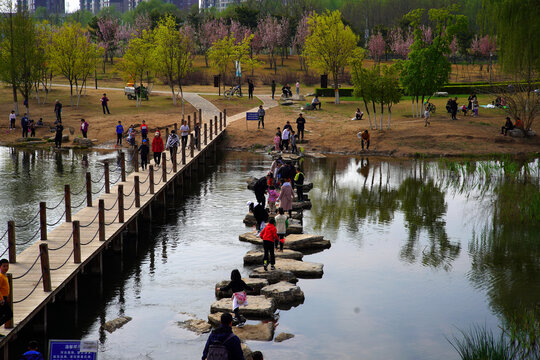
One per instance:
(417, 253)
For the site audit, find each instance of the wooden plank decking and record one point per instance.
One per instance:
(60, 242)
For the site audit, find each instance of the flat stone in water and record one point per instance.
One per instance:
(196, 325)
(300, 205)
(273, 276)
(255, 257)
(283, 336)
(259, 307)
(249, 219)
(301, 269)
(116, 324)
(298, 242)
(263, 331)
(284, 293)
(256, 284)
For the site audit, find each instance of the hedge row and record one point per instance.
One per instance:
(329, 92)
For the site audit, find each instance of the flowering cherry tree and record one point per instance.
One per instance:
(302, 32)
(376, 46)
(400, 43)
(269, 28)
(210, 32)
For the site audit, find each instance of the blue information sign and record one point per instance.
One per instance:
(252, 116)
(71, 350)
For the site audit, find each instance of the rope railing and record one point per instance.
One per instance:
(80, 204)
(113, 205)
(170, 171)
(130, 206)
(98, 180)
(32, 238)
(29, 269)
(112, 222)
(159, 181)
(100, 190)
(31, 292)
(57, 221)
(57, 205)
(145, 180)
(3, 236)
(5, 251)
(64, 244)
(131, 192)
(80, 191)
(117, 180)
(92, 239)
(91, 222)
(65, 262)
(28, 223)
(146, 192)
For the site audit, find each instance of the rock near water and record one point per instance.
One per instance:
(259, 307)
(256, 284)
(284, 293)
(116, 324)
(298, 242)
(274, 276)
(283, 336)
(255, 257)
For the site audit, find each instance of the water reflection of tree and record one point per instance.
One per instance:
(424, 208)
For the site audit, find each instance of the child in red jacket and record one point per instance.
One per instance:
(269, 235)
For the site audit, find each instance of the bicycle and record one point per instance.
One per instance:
(235, 90)
(431, 107)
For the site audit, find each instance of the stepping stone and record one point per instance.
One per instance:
(255, 257)
(196, 325)
(259, 307)
(300, 205)
(301, 269)
(299, 242)
(249, 219)
(256, 284)
(283, 336)
(263, 331)
(284, 293)
(252, 180)
(273, 276)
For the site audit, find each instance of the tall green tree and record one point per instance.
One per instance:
(329, 45)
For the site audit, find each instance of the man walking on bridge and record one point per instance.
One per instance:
(5, 307)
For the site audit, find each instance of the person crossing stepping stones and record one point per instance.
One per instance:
(239, 297)
(269, 236)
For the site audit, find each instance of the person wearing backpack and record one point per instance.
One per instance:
(222, 344)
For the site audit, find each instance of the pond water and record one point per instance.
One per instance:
(420, 250)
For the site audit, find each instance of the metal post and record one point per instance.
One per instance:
(107, 182)
(43, 220)
(76, 242)
(123, 166)
(120, 203)
(191, 145)
(101, 218)
(151, 179)
(45, 268)
(137, 193)
(67, 201)
(88, 190)
(11, 242)
(164, 166)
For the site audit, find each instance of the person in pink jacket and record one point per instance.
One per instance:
(286, 197)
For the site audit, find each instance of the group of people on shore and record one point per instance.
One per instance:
(452, 107)
(288, 136)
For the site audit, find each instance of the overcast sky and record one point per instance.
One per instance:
(72, 5)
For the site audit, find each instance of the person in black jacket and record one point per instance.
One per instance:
(224, 335)
(299, 182)
(260, 213)
(238, 287)
(58, 136)
(144, 150)
(260, 188)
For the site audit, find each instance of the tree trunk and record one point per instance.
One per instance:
(182, 99)
(367, 110)
(382, 114)
(71, 91)
(336, 87)
(173, 95)
(389, 116)
(412, 107)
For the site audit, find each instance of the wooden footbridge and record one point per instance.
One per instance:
(52, 263)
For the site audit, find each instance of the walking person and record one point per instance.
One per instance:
(184, 131)
(32, 128)
(119, 133)
(144, 150)
(294, 149)
(297, 87)
(12, 119)
(260, 214)
(285, 138)
(24, 125)
(282, 223)
(172, 144)
(299, 184)
(84, 128)
(300, 123)
(454, 108)
(269, 237)
(286, 196)
(144, 130)
(104, 104)
(222, 343)
(157, 147)
(273, 88)
(251, 87)
(260, 188)
(5, 307)
(58, 110)
(426, 118)
(58, 136)
(238, 287)
(272, 198)
(261, 114)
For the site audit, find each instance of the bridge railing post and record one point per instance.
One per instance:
(88, 189)
(215, 125)
(224, 118)
(45, 268)
(137, 192)
(9, 323)
(120, 203)
(211, 129)
(101, 219)
(183, 155)
(107, 180)
(200, 116)
(189, 121)
(43, 220)
(151, 179)
(67, 201)
(123, 166)
(173, 160)
(191, 145)
(164, 166)
(220, 121)
(76, 242)
(11, 242)
(136, 160)
(205, 134)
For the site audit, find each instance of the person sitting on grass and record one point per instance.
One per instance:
(507, 126)
(316, 102)
(287, 91)
(358, 115)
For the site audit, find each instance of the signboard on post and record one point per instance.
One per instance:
(73, 349)
(251, 116)
(238, 69)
